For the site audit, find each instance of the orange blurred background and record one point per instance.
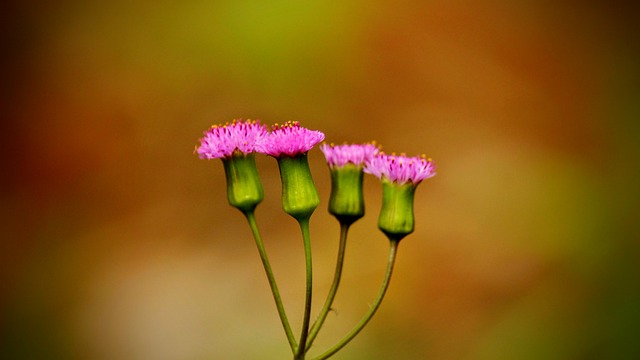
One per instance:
(118, 243)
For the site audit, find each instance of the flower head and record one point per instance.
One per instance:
(221, 141)
(400, 169)
(356, 154)
(289, 139)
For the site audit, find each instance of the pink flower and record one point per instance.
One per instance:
(400, 169)
(289, 139)
(340, 155)
(222, 140)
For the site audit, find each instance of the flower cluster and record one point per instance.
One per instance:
(289, 139)
(222, 141)
(236, 144)
(356, 154)
(400, 169)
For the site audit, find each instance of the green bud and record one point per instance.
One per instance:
(244, 189)
(396, 215)
(299, 195)
(346, 202)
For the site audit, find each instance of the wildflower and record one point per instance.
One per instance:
(346, 162)
(400, 176)
(289, 144)
(221, 141)
(289, 139)
(340, 155)
(400, 169)
(235, 143)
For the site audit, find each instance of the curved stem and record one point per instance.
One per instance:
(304, 226)
(344, 229)
(272, 280)
(383, 289)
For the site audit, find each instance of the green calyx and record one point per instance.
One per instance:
(244, 188)
(299, 194)
(346, 202)
(396, 215)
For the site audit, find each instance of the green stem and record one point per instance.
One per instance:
(344, 229)
(272, 280)
(304, 226)
(383, 289)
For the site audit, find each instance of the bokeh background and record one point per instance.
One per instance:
(118, 243)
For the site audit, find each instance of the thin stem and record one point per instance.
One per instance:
(272, 280)
(383, 289)
(344, 229)
(304, 226)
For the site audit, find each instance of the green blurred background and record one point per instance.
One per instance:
(118, 243)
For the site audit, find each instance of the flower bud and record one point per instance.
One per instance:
(346, 165)
(396, 215)
(400, 175)
(289, 144)
(299, 194)
(235, 143)
(244, 188)
(346, 202)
